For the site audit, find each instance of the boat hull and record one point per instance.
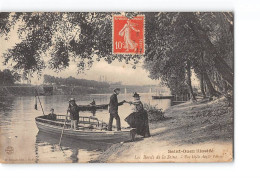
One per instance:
(94, 135)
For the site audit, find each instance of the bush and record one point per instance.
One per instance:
(154, 114)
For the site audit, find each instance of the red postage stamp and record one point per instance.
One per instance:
(128, 35)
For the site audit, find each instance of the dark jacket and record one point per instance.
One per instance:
(74, 112)
(52, 116)
(113, 104)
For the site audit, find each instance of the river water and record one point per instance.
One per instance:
(20, 133)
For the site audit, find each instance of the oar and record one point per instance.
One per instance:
(39, 102)
(63, 128)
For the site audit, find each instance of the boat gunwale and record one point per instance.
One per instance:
(78, 131)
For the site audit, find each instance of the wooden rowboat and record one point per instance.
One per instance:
(90, 129)
(93, 107)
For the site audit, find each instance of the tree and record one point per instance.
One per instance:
(188, 68)
(173, 40)
(202, 87)
(179, 36)
(8, 77)
(219, 63)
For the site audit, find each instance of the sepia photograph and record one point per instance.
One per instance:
(116, 87)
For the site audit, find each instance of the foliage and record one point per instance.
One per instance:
(65, 37)
(154, 114)
(8, 77)
(203, 41)
(175, 43)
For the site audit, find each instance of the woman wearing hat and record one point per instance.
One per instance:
(139, 118)
(74, 109)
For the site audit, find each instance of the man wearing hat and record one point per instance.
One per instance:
(74, 109)
(113, 110)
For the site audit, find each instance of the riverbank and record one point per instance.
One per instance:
(191, 132)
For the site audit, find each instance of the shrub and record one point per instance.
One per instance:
(154, 113)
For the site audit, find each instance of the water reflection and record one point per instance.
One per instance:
(93, 112)
(6, 104)
(70, 148)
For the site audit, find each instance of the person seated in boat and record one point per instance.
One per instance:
(93, 103)
(52, 116)
(74, 109)
(139, 118)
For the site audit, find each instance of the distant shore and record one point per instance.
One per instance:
(201, 126)
(29, 90)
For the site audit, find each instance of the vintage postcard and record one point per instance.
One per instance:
(110, 87)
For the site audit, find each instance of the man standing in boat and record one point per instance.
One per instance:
(113, 110)
(74, 109)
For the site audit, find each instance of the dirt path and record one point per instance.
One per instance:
(192, 132)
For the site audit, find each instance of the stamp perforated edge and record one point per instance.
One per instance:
(129, 53)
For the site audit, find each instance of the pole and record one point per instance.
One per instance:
(63, 128)
(39, 101)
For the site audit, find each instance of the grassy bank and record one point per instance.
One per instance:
(199, 125)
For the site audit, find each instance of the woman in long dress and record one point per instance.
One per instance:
(139, 118)
(126, 32)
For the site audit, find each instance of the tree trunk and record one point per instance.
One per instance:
(189, 81)
(222, 67)
(212, 91)
(202, 85)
